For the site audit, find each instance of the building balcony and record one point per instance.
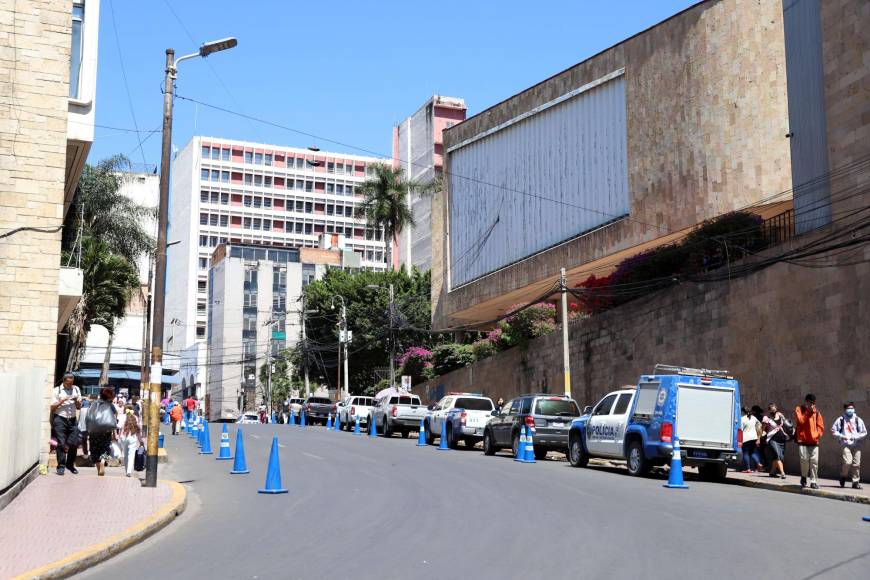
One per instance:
(70, 285)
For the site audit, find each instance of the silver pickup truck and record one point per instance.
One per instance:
(397, 413)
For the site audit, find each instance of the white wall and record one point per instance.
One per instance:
(537, 182)
(21, 409)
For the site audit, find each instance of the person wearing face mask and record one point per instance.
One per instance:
(850, 431)
(809, 427)
(775, 437)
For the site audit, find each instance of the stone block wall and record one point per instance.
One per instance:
(782, 332)
(34, 88)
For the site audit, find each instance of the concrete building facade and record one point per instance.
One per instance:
(237, 192)
(46, 126)
(712, 110)
(418, 148)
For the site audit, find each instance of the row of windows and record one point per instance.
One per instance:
(268, 159)
(257, 180)
(255, 201)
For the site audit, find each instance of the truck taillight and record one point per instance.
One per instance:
(739, 438)
(667, 432)
(395, 411)
(530, 421)
(353, 411)
(462, 417)
(334, 408)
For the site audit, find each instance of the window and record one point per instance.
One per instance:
(621, 407)
(203, 241)
(205, 152)
(308, 274)
(604, 406)
(348, 190)
(470, 404)
(200, 307)
(258, 202)
(309, 185)
(557, 406)
(249, 179)
(225, 154)
(268, 158)
(214, 197)
(257, 223)
(299, 163)
(200, 286)
(200, 331)
(212, 241)
(330, 188)
(298, 227)
(215, 153)
(248, 201)
(267, 181)
(75, 60)
(203, 196)
(203, 174)
(348, 211)
(339, 189)
(224, 221)
(225, 176)
(267, 225)
(215, 175)
(526, 406)
(330, 230)
(513, 408)
(339, 168)
(225, 199)
(308, 229)
(258, 158)
(300, 206)
(267, 202)
(249, 157)
(213, 219)
(258, 180)
(309, 207)
(330, 167)
(330, 209)
(203, 263)
(247, 223)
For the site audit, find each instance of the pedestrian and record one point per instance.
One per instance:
(850, 431)
(175, 415)
(83, 423)
(775, 437)
(190, 403)
(809, 427)
(66, 400)
(137, 406)
(499, 404)
(751, 434)
(130, 440)
(761, 450)
(102, 420)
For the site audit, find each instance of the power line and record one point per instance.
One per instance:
(126, 84)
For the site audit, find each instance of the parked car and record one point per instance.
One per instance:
(463, 415)
(397, 413)
(317, 409)
(639, 424)
(248, 418)
(355, 406)
(548, 415)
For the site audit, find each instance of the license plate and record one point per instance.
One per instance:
(555, 424)
(696, 453)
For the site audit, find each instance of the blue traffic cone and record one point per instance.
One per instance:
(205, 449)
(337, 426)
(292, 419)
(273, 475)
(521, 448)
(443, 445)
(240, 466)
(421, 437)
(302, 419)
(866, 518)
(530, 445)
(274, 418)
(356, 430)
(373, 429)
(675, 477)
(224, 451)
(329, 422)
(198, 435)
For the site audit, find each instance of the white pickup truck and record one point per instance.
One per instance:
(352, 407)
(465, 416)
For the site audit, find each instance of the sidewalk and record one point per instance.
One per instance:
(62, 525)
(829, 488)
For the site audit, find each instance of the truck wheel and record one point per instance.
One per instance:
(515, 444)
(430, 438)
(540, 454)
(576, 454)
(452, 441)
(405, 433)
(387, 431)
(488, 443)
(713, 471)
(637, 462)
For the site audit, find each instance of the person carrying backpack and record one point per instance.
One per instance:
(850, 431)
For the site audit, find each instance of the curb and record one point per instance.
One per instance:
(801, 491)
(92, 555)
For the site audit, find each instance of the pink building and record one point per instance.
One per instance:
(418, 150)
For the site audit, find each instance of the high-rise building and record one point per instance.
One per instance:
(418, 149)
(237, 192)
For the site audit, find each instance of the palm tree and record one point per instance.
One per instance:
(108, 283)
(101, 211)
(385, 203)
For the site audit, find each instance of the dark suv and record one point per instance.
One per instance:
(318, 409)
(549, 415)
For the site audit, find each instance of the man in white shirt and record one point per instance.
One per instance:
(67, 399)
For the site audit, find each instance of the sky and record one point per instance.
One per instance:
(343, 71)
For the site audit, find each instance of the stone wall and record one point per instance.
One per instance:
(34, 87)
(782, 332)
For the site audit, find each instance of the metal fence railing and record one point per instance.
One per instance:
(779, 228)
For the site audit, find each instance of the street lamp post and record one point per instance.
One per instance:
(160, 253)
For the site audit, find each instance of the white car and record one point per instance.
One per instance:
(352, 407)
(248, 418)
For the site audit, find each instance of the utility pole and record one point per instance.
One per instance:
(269, 380)
(566, 360)
(305, 349)
(144, 381)
(160, 255)
(392, 340)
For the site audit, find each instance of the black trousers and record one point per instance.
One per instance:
(63, 427)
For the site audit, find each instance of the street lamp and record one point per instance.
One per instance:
(171, 73)
(392, 338)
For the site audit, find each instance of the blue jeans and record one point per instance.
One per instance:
(750, 454)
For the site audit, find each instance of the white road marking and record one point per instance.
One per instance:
(311, 455)
(255, 436)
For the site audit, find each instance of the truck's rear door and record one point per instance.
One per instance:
(705, 416)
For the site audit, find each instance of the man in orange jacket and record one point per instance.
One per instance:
(809, 427)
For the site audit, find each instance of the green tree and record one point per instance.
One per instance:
(385, 203)
(108, 283)
(281, 383)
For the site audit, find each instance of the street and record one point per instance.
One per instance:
(362, 508)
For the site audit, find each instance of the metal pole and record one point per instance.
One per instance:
(269, 375)
(346, 355)
(305, 349)
(392, 341)
(160, 276)
(338, 365)
(566, 360)
(144, 381)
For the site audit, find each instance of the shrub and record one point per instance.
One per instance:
(536, 320)
(483, 348)
(414, 362)
(451, 356)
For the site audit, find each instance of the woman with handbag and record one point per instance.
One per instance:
(776, 428)
(101, 422)
(130, 440)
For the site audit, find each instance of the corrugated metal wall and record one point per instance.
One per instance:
(538, 182)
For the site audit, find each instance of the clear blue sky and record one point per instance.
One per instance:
(343, 70)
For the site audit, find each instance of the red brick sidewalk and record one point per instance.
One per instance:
(74, 521)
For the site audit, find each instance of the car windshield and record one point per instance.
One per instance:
(470, 404)
(559, 407)
(409, 400)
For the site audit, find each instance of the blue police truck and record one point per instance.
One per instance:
(639, 423)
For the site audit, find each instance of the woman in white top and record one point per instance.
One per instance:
(751, 433)
(130, 440)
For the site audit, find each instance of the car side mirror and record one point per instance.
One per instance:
(431, 407)
(494, 413)
(587, 409)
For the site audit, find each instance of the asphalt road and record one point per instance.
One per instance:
(386, 509)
